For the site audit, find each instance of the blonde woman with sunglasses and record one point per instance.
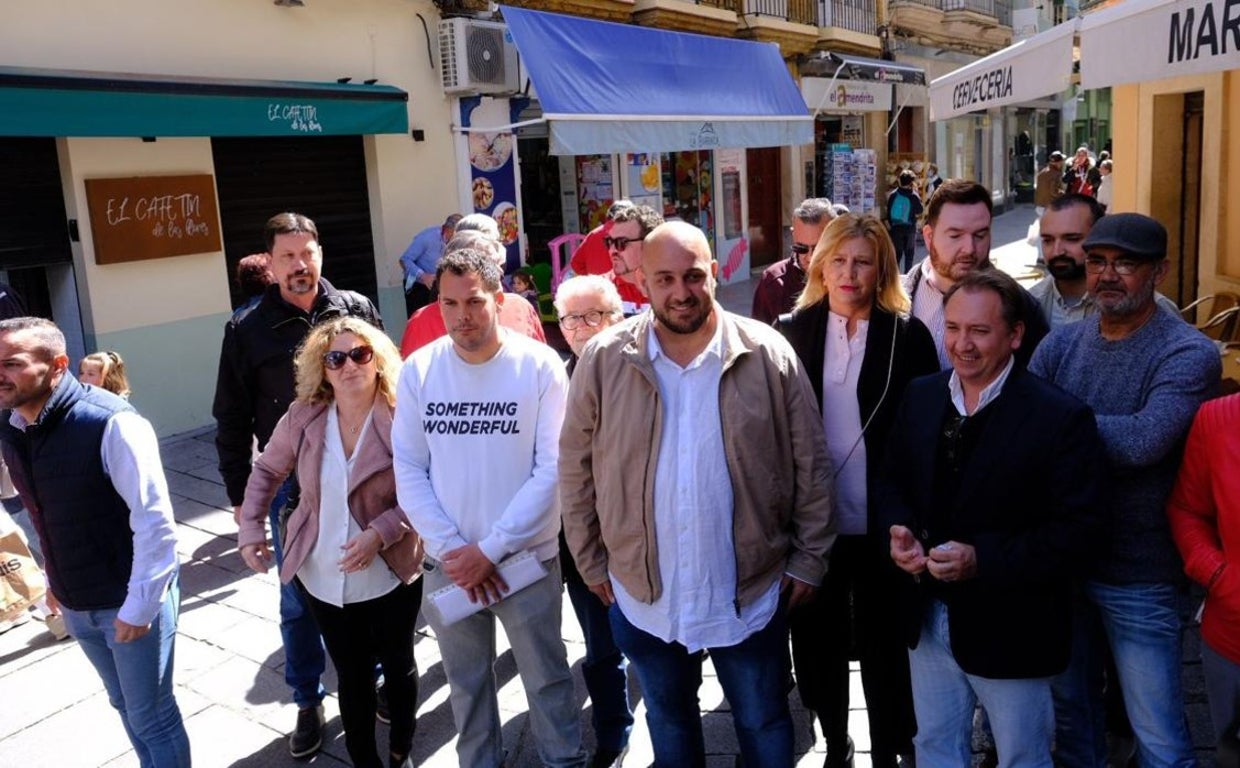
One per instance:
(348, 546)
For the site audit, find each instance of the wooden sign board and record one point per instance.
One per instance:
(152, 217)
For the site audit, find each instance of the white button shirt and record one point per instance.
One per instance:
(320, 573)
(841, 419)
(693, 516)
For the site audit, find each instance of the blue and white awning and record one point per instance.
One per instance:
(607, 87)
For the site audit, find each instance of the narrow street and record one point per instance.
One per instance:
(229, 662)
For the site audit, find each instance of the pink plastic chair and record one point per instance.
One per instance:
(560, 260)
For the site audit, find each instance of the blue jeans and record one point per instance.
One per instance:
(944, 695)
(604, 667)
(1078, 693)
(138, 678)
(754, 677)
(1142, 624)
(304, 657)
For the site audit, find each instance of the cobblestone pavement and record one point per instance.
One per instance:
(53, 711)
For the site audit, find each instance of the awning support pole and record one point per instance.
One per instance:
(499, 128)
(899, 109)
(827, 93)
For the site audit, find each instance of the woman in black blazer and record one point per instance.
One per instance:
(860, 347)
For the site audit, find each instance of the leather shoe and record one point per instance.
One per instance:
(307, 737)
(840, 758)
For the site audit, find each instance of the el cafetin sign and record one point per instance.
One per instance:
(152, 217)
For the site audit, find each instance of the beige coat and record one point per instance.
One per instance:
(372, 490)
(772, 437)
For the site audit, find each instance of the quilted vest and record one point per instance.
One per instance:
(82, 521)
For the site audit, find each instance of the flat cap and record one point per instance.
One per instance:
(1133, 233)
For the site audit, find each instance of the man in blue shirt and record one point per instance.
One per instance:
(419, 261)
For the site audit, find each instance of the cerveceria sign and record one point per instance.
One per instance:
(1025, 71)
(151, 217)
(975, 92)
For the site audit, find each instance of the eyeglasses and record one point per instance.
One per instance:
(334, 360)
(592, 318)
(620, 243)
(1096, 265)
(801, 249)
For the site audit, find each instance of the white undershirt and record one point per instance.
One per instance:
(841, 419)
(320, 572)
(693, 516)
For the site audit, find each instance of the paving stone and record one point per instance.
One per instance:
(85, 735)
(38, 691)
(206, 492)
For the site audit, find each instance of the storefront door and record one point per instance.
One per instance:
(765, 232)
(33, 230)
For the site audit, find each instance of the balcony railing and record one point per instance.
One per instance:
(727, 5)
(857, 15)
(1000, 9)
(796, 11)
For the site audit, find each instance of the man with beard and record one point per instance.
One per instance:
(254, 389)
(628, 229)
(957, 235)
(87, 468)
(1062, 294)
(1144, 373)
(474, 447)
(725, 524)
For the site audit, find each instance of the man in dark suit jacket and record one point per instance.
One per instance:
(990, 493)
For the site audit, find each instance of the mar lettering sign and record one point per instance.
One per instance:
(1143, 40)
(1029, 70)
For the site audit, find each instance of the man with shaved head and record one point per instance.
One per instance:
(726, 526)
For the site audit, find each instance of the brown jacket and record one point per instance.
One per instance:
(1048, 185)
(372, 490)
(772, 436)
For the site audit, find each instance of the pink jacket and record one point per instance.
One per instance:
(372, 490)
(1204, 512)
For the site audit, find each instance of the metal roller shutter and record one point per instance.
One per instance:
(33, 229)
(323, 177)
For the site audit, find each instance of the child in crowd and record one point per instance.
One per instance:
(105, 370)
(523, 284)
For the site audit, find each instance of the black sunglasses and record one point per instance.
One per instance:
(801, 249)
(334, 360)
(620, 243)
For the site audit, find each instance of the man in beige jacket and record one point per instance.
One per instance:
(695, 489)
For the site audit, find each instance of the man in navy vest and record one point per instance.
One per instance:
(87, 468)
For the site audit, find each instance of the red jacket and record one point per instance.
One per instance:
(426, 324)
(1204, 512)
(591, 257)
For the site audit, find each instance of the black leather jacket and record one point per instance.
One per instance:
(256, 384)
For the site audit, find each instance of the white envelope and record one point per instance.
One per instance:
(518, 572)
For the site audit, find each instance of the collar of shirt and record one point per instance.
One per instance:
(713, 347)
(989, 393)
(1083, 301)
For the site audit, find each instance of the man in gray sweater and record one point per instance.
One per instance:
(1144, 373)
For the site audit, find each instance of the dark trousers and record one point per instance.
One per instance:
(416, 297)
(904, 236)
(852, 616)
(604, 667)
(356, 635)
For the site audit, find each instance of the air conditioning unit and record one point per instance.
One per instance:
(477, 57)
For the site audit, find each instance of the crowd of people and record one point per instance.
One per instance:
(980, 492)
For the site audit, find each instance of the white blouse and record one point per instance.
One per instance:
(320, 573)
(841, 420)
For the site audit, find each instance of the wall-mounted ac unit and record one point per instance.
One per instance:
(477, 57)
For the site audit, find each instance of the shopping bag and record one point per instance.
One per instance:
(21, 582)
